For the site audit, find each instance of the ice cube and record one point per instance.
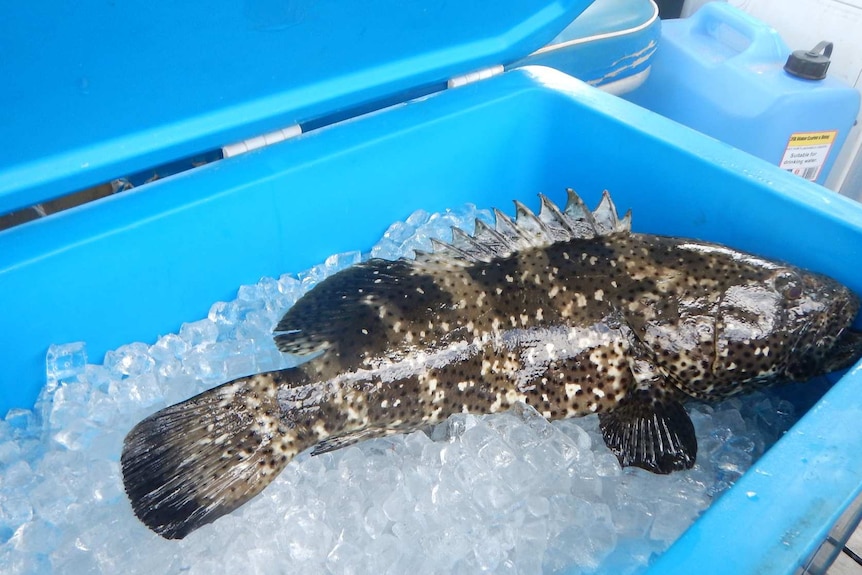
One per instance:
(496, 454)
(521, 437)
(344, 558)
(22, 563)
(670, 519)
(630, 556)
(477, 436)
(20, 421)
(38, 536)
(142, 390)
(10, 451)
(585, 542)
(456, 426)
(488, 554)
(249, 298)
(534, 420)
(239, 359)
(226, 315)
(530, 546)
(398, 505)
(543, 457)
(205, 363)
(632, 518)
(199, 333)
(383, 552)
(375, 521)
(167, 354)
(729, 421)
(468, 472)
(269, 358)
(75, 435)
(573, 429)
(407, 530)
(432, 455)
(64, 362)
(128, 360)
(68, 404)
(520, 474)
(607, 465)
(492, 496)
(290, 287)
(311, 539)
(394, 243)
(169, 347)
(337, 262)
(538, 505)
(15, 508)
(51, 499)
(416, 442)
(732, 461)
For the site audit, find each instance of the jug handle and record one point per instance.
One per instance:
(764, 42)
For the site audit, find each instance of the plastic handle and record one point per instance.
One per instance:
(824, 48)
(751, 38)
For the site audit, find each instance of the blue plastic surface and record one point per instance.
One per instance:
(611, 41)
(136, 265)
(721, 71)
(604, 17)
(777, 513)
(100, 89)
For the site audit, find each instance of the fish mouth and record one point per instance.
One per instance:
(826, 342)
(846, 350)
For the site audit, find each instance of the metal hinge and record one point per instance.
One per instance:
(474, 76)
(261, 141)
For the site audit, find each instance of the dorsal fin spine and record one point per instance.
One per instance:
(529, 230)
(528, 221)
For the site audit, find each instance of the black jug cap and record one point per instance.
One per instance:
(811, 64)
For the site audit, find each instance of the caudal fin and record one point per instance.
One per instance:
(190, 463)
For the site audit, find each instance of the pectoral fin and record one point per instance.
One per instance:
(651, 433)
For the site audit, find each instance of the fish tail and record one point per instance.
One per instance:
(190, 463)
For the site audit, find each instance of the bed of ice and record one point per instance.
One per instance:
(508, 493)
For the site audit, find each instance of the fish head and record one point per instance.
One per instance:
(720, 322)
(781, 323)
(813, 330)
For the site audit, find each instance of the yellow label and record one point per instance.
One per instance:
(811, 138)
(806, 153)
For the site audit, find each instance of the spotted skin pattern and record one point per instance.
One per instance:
(569, 312)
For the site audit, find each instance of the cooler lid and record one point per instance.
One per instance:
(95, 90)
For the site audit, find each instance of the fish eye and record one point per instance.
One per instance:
(789, 284)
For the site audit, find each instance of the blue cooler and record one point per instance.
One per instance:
(101, 89)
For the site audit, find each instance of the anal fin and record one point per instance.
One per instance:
(350, 437)
(650, 433)
(345, 439)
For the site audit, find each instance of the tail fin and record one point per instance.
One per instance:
(190, 463)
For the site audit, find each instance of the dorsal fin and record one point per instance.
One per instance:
(606, 219)
(342, 309)
(529, 230)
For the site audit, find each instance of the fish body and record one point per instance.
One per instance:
(567, 311)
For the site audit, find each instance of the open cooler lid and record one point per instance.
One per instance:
(97, 90)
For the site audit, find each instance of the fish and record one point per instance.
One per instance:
(568, 311)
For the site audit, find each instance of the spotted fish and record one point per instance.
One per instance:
(567, 311)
